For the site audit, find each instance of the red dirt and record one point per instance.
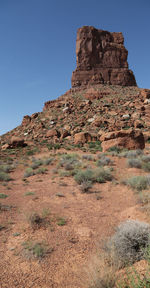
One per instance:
(88, 222)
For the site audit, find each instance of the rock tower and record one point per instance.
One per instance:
(101, 59)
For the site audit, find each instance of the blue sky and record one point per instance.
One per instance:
(37, 48)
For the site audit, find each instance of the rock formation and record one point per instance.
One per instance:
(101, 59)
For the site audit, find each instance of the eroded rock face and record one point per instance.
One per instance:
(101, 59)
(130, 139)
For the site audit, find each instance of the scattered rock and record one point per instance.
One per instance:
(82, 138)
(130, 139)
(52, 133)
(26, 120)
(17, 142)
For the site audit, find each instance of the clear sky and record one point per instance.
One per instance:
(37, 48)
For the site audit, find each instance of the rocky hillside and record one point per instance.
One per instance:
(94, 105)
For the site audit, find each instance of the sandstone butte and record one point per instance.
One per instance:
(104, 98)
(101, 59)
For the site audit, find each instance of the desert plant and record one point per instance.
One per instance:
(3, 196)
(83, 176)
(61, 221)
(102, 175)
(29, 172)
(6, 168)
(129, 242)
(138, 183)
(69, 161)
(86, 186)
(134, 163)
(104, 161)
(36, 249)
(29, 193)
(146, 166)
(88, 157)
(36, 163)
(48, 161)
(41, 170)
(35, 220)
(145, 158)
(99, 175)
(4, 176)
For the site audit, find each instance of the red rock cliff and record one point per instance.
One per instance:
(101, 58)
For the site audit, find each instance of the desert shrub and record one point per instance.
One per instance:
(69, 161)
(114, 149)
(138, 183)
(4, 176)
(41, 170)
(134, 163)
(146, 166)
(3, 196)
(102, 175)
(132, 153)
(53, 146)
(28, 172)
(36, 163)
(29, 193)
(6, 168)
(84, 176)
(145, 158)
(35, 220)
(32, 152)
(61, 221)
(130, 241)
(134, 279)
(86, 186)
(48, 161)
(104, 161)
(99, 175)
(94, 146)
(88, 157)
(36, 249)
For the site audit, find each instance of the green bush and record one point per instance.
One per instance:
(4, 176)
(134, 163)
(28, 172)
(3, 196)
(138, 183)
(84, 175)
(104, 161)
(99, 175)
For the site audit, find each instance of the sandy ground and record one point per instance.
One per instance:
(89, 222)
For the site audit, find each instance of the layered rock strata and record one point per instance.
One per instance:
(101, 59)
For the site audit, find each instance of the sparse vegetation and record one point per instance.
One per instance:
(104, 161)
(3, 196)
(94, 146)
(36, 249)
(61, 221)
(138, 183)
(130, 242)
(136, 163)
(29, 194)
(29, 172)
(4, 176)
(99, 175)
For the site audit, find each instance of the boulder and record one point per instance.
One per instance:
(17, 142)
(53, 133)
(82, 138)
(145, 93)
(101, 59)
(26, 120)
(130, 139)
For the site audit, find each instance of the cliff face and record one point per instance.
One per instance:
(101, 59)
